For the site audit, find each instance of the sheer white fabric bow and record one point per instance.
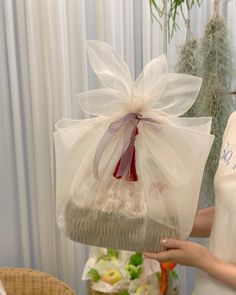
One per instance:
(156, 90)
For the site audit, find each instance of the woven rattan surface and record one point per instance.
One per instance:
(22, 281)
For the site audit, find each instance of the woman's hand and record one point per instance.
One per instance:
(183, 252)
(191, 254)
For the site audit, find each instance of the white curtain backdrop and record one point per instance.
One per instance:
(42, 66)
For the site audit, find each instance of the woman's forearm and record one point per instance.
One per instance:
(203, 223)
(220, 270)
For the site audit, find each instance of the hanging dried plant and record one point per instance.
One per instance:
(189, 63)
(213, 99)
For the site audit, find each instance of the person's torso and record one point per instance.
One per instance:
(222, 242)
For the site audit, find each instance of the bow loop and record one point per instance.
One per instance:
(170, 93)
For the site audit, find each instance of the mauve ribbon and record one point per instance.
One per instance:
(114, 127)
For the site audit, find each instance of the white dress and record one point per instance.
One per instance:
(222, 242)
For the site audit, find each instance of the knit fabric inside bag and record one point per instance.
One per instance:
(131, 175)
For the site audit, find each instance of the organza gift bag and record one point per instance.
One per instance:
(131, 175)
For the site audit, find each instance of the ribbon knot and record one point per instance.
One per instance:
(126, 166)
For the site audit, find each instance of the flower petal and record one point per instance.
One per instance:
(109, 67)
(179, 95)
(102, 102)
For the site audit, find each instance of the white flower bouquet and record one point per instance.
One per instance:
(121, 272)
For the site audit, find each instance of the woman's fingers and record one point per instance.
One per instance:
(151, 255)
(174, 249)
(173, 244)
(163, 256)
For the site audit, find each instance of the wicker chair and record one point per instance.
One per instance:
(22, 281)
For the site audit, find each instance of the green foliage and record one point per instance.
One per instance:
(123, 293)
(159, 275)
(136, 259)
(134, 272)
(139, 272)
(174, 275)
(112, 252)
(134, 269)
(95, 276)
(174, 8)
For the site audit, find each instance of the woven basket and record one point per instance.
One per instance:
(22, 281)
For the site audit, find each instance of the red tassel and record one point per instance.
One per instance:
(131, 175)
